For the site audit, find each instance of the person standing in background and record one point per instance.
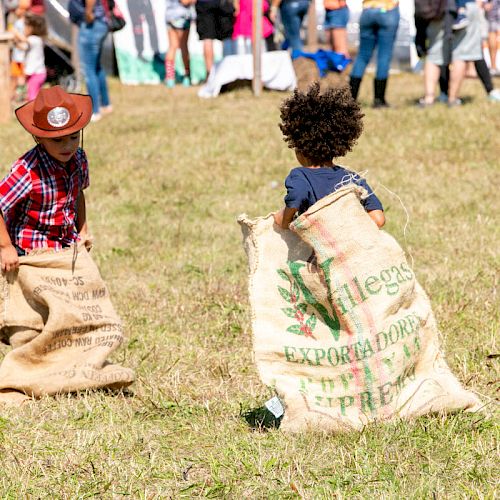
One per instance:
(292, 14)
(378, 26)
(466, 46)
(31, 41)
(18, 55)
(242, 31)
(178, 15)
(91, 36)
(492, 9)
(336, 19)
(214, 21)
(141, 11)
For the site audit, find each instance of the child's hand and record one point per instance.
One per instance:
(9, 258)
(89, 17)
(273, 10)
(86, 238)
(284, 217)
(278, 217)
(378, 217)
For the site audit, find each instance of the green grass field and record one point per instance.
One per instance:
(169, 175)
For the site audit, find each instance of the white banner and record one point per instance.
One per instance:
(142, 44)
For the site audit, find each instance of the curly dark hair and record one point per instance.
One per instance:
(321, 126)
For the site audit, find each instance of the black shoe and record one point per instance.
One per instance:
(354, 83)
(379, 87)
(378, 103)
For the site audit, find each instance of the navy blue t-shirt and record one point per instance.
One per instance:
(305, 186)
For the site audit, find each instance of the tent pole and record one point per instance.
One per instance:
(75, 56)
(257, 47)
(312, 27)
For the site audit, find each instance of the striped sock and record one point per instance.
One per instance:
(170, 69)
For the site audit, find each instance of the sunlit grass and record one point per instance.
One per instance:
(169, 175)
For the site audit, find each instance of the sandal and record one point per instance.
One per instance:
(426, 101)
(455, 103)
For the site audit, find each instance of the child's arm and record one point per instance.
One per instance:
(20, 41)
(284, 217)
(8, 253)
(89, 11)
(378, 217)
(81, 214)
(273, 10)
(371, 203)
(14, 188)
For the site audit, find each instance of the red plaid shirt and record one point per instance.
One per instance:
(38, 199)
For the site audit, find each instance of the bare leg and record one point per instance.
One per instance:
(330, 39)
(208, 53)
(457, 75)
(185, 51)
(493, 48)
(173, 43)
(470, 70)
(431, 77)
(339, 41)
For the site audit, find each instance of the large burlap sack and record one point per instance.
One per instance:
(306, 71)
(342, 330)
(56, 313)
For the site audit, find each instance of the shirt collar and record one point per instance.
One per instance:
(47, 161)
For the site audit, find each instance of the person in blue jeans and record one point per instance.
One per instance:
(292, 14)
(91, 38)
(378, 27)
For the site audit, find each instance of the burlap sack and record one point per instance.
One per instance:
(307, 72)
(348, 337)
(57, 316)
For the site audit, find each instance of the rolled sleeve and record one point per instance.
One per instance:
(371, 202)
(15, 187)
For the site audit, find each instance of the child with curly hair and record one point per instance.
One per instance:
(321, 127)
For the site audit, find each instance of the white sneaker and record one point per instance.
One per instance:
(95, 117)
(494, 95)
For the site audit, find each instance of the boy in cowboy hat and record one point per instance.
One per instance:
(56, 311)
(42, 203)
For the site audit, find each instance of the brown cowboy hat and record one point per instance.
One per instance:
(55, 113)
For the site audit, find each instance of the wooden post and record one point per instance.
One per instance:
(312, 27)
(257, 47)
(75, 56)
(5, 38)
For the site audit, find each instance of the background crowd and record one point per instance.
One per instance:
(447, 41)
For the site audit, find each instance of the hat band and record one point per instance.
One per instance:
(57, 129)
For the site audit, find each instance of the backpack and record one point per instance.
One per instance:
(429, 10)
(76, 10)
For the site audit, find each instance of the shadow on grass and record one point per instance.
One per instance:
(107, 391)
(416, 102)
(261, 419)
